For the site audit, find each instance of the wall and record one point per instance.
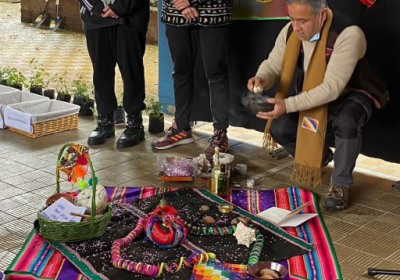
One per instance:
(69, 10)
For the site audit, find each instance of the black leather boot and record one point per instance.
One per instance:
(133, 133)
(105, 129)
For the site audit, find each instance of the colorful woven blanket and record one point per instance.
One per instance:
(38, 260)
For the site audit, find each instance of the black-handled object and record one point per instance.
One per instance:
(55, 22)
(375, 271)
(257, 102)
(42, 16)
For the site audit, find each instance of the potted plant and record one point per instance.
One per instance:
(16, 79)
(3, 76)
(36, 80)
(156, 116)
(62, 87)
(119, 114)
(49, 92)
(81, 97)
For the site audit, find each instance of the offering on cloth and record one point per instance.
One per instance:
(164, 228)
(243, 220)
(267, 273)
(225, 208)
(204, 163)
(267, 270)
(178, 167)
(245, 235)
(208, 220)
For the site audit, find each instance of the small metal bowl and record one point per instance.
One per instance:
(225, 208)
(255, 269)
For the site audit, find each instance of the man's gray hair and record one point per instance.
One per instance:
(316, 5)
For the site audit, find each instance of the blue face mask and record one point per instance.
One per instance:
(318, 34)
(315, 37)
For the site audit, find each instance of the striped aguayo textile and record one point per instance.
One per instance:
(37, 259)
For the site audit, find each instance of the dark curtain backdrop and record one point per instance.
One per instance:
(251, 41)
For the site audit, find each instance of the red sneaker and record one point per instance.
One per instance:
(219, 139)
(173, 137)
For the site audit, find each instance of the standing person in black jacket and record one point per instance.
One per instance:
(191, 26)
(116, 34)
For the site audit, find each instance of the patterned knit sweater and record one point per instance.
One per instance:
(211, 13)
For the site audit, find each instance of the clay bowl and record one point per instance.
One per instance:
(57, 196)
(260, 104)
(255, 269)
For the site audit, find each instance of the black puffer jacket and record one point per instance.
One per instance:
(133, 13)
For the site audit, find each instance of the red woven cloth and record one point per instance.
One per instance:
(164, 228)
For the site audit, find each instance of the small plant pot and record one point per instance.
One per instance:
(156, 125)
(86, 107)
(119, 115)
(67, 98)
(49, 93)
(36, 90)
(64, 97)
(78, 101)
(16, 86)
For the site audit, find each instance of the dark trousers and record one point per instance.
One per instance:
(123, 46)
(211, 43)
(346, 117)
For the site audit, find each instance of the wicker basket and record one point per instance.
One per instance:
(75, 231)
(50, 127)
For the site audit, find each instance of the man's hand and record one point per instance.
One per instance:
(254, 82)
(279, 109)
(181, 4)
(190, 13)
(107, 12)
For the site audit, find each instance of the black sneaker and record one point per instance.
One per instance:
(337, 197)
(105, 129)
(133, 133)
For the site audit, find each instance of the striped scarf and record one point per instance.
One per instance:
(312, 123)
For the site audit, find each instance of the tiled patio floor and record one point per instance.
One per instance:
(367, 234)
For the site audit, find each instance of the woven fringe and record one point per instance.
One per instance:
(269, 142)
(306, 175)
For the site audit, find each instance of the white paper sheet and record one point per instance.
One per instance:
(296, 220)
(286, 218)
(61, 209)
(274, 214)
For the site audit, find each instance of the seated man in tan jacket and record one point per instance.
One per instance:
(328, 49)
